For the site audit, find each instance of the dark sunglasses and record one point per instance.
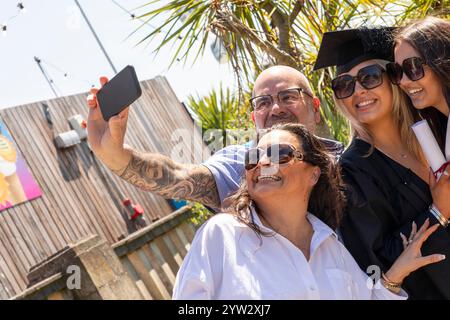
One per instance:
(369, 77)
(412, 67)
(277, 154)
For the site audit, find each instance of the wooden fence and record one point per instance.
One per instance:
(151, 257)
(80, 196)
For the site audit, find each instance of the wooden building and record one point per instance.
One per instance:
(79, 195)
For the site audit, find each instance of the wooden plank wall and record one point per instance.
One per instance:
(155, 265)
(80, 196)
(151, 257)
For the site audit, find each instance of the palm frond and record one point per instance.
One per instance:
(255, 33)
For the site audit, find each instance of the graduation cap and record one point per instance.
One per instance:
(345, 49)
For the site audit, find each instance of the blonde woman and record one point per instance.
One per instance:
(390, 188)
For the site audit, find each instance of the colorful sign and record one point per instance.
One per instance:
(17, 185)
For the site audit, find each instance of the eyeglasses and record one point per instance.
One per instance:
(369, 77)
(287, 98)
(412, 67)
(277, 154)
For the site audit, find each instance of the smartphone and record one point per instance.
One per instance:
(119, 92)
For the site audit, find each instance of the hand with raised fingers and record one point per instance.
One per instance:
(411, 258)
(107, 138)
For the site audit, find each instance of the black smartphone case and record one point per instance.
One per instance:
(118, 93)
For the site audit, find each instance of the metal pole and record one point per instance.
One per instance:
(96, 37)
(38, 61)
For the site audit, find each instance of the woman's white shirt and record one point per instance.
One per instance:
(227, 260)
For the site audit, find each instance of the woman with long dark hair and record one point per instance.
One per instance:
(277, 241)
(422, 70)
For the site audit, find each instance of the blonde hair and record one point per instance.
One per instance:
(403, 118)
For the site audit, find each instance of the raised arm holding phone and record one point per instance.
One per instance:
(148, 171)
(211, 182)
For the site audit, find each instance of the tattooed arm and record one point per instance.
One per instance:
(159, 174)
(150, 172)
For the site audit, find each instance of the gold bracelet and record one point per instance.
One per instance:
(389, 284)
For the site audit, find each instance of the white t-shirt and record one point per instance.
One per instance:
(228, 261)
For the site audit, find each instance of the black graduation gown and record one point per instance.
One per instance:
(384, 198)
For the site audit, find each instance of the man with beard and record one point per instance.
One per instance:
(281, 94)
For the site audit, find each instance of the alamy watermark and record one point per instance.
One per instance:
(73, 281)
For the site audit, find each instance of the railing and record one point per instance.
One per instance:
(150, 256)
(53, 288)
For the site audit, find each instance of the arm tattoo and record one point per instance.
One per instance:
(161, 175)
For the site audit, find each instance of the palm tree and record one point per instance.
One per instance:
(416, 9)
(220, 111)
(257, 33)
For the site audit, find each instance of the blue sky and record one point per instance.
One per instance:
(55, 31)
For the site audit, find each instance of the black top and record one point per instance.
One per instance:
(384, 198)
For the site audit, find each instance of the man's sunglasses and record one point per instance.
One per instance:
(277, 154)
(287, 97)
(412, 67)
(369, 77)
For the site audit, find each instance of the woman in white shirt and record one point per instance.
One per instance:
(271, 246)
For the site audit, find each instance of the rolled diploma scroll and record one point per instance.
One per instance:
(429, 145)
